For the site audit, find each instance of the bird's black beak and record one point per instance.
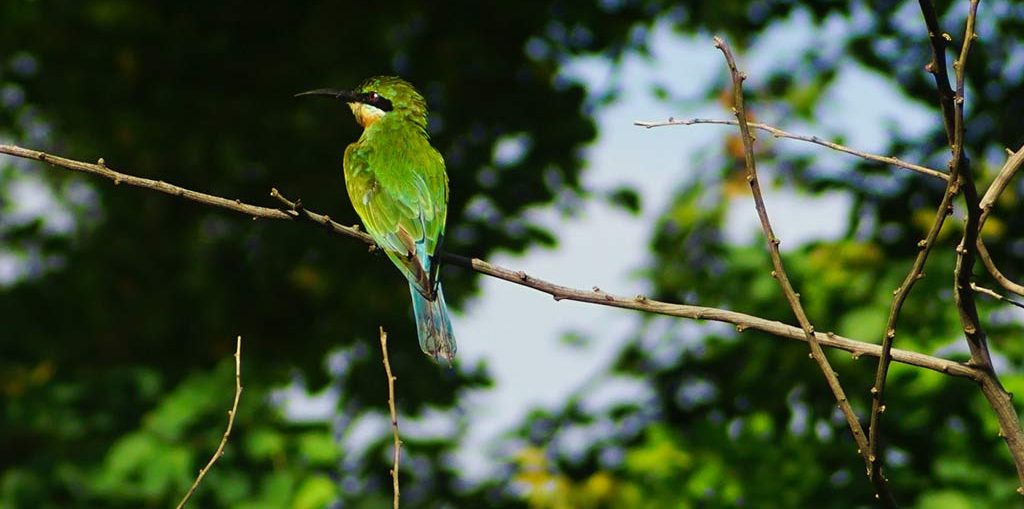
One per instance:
(345, 95)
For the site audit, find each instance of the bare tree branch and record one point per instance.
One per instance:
(779, 133)
(994, 191)
(995, 295)
(970, 321)
(938, 68)
(990, 265)
(100, 168)
(227, 432)
(960, 173)
(394, 417)
(295, 212)
(881, 486)
(963, 296)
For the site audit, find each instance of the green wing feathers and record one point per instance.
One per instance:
(400, 191)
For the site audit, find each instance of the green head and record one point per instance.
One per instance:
(381, 97)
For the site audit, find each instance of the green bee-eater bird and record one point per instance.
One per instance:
(398, 186)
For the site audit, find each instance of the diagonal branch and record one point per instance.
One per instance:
(779, 272)
(995, 295)
(779, 133)
(900, 295)
(100, 168)
(742, 321)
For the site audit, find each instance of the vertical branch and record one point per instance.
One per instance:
(963, 294)
(960, 175)
(779, 273)
(965, 252)
(952, 115)
(231, 421)
(394, 417)
(937, 67)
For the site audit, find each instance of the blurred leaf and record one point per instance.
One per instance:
(626, 198)
(315, 493)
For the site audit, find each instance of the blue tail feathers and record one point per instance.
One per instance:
(433, 326)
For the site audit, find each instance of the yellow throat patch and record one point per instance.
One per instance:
(366, 114)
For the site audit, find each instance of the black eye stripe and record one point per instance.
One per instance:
(376, 100)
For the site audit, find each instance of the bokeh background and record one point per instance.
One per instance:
(119, 307)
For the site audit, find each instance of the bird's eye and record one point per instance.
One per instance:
(378, 101)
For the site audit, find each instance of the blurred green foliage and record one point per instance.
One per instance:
(118, 326)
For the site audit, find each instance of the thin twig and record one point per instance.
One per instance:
(394, 416)
(779, 133)
(227, 432)
(995, 295)
(742, 321)
(779, 272)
